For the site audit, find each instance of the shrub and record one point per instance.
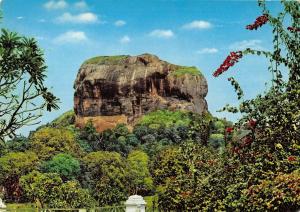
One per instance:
(48, 190)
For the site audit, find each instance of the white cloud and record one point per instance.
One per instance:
(71, 37)
(82, 18)
(208, 51)
(242, 45)
(125, 39)
(198, 24)
(42, 20)
(160, 33)
(20, 17)
(55, 5)
(120, 23)
(81, 5)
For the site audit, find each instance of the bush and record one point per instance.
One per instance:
(281, 193)
(48, 190)
(63, 164)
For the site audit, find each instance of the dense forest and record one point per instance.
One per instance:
(59, 159)
(179, 160)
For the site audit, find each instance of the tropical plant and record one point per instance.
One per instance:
(23, 94)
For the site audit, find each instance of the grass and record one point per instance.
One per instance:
(24, 207)
(64, 120)
(104, 59)
(166, 118)
(191, 70)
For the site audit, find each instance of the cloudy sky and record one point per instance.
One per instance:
(186, 32)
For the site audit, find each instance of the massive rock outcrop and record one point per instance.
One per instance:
(119, 89)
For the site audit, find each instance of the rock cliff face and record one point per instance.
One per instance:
(119, 89)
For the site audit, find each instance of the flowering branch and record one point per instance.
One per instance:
(261, 20)
(228, 62)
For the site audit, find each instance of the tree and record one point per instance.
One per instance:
(47, 142)
(18, 144)
(179, 173)
(105, 176)
(138, 172)
(71, 195)
(65, 165)
(263, 164)
(273, 117)
(39, 187)
(12, 166)
(23, 94)
(48, 189)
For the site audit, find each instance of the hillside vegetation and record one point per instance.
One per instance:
(181, 160)
(102, 168)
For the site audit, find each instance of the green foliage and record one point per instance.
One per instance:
(22, 91)
(17, 163)
(166, 118)
(48, 190)
(105, 176)
(276, 112)
(179, 173)
(12, 166)
(216, 140)
(150, 136)
(105, 59)
(117, 140)
(19, 144)
(39, 187)
(71, 195)
(280, 193)
(263, 155)
(65, 120)
(63, 164)
(138, 173)
(47, 142)
(183, 70)
(24, 207)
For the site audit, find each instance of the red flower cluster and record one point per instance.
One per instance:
(229, 129)
(293, 29)
(235, 150)
(247, 141)
(252, 123)
(228, 62)
(261, 20)
(292, 158)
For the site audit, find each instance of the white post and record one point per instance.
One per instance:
(135, 203)
(2, 206)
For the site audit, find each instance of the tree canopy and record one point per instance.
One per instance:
(23, 94)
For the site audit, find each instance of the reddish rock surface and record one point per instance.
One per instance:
(123, 88)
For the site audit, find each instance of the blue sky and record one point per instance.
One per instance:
(186, 32)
